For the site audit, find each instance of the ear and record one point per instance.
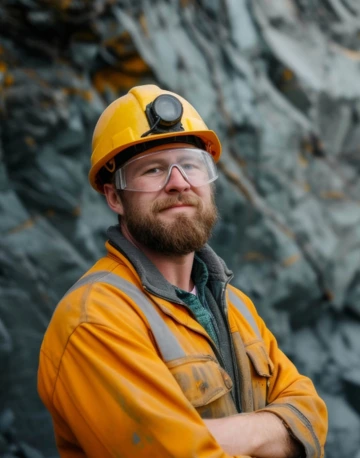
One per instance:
(113, 199)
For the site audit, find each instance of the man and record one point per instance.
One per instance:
(152, 353)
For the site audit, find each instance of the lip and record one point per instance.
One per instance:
(178, 206)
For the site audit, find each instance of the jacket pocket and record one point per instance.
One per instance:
(261, 368)
(205, 384)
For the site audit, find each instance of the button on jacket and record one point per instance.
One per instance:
(127, 371)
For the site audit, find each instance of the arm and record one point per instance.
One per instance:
(257, 434)
(115, 397)
(286, 394)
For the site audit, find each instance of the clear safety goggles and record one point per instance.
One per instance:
(151, 172)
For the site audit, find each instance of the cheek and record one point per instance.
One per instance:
(134, 204)
(205, 194)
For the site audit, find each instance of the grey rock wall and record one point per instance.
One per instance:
(278, 81)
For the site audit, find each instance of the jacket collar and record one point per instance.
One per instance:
(150, 276)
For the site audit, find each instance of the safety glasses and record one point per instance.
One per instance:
(151, 172)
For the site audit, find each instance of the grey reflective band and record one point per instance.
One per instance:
(239, 304)
(167, 343)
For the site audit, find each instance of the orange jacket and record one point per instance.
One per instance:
(126, 372)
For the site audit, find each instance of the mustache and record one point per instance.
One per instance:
(163, 204)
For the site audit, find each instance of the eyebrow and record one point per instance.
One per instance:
(136, 166)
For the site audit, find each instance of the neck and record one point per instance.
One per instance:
(176, 269)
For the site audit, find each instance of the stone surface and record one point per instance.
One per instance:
(278, 82)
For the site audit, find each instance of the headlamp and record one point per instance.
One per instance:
(164, 115)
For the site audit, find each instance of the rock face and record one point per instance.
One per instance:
(278, 81)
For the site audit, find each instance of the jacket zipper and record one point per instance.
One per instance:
(234, 359)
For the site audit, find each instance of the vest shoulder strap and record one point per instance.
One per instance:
(241, 307)
(167, 343)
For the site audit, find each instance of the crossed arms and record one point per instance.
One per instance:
(261, 435)
(111, 395)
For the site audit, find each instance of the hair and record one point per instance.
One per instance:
(119, 192)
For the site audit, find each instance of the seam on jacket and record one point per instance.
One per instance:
(96, 278)
(86, 294)
(89, 281)
(75, 406)
(48, 357)
(65, 348)
(304, 420)
(307, 423)
(59, 377)
(166, 341)
(61, 358)
(254, 341)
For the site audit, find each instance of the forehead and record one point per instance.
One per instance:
(168, 149)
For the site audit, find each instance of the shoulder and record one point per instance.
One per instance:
(105, 295)
(243, 314)
(241, 300)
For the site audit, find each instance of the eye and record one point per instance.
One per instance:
(190, 166)
(153, 171)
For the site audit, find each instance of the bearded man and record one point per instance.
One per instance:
(152, 353)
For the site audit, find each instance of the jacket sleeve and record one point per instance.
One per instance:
(292, 396)
(113, 396)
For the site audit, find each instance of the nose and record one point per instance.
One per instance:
(176, 181)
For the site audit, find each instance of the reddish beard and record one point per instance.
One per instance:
(182, 236)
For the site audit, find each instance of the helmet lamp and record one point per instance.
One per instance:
(164, 115)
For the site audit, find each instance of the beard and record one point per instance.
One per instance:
(182, 236)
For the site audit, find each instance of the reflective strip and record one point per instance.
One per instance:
(167, 343)
(240, 305)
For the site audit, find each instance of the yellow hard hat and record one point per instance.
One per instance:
(145, 117)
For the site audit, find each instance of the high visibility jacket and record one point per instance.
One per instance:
(126, 371)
